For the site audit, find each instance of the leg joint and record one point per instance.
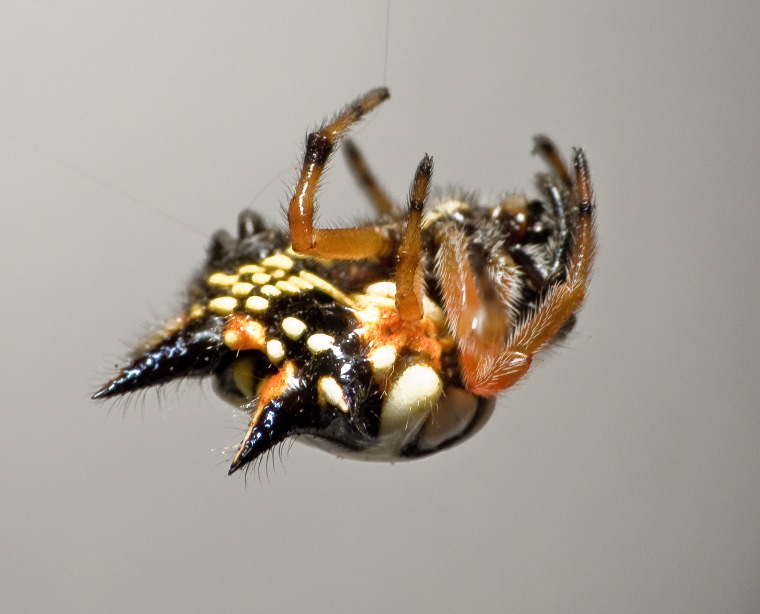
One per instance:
(318, 148)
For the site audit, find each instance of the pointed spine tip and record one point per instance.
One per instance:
(102, 393)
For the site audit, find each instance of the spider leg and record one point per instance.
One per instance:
(486, 372)
(545, 147)
(505, 284)
(366, 180)
(558, 188)
(409, 273)
(555, 187)
(563, 238)
(476, 313)
(341, 243)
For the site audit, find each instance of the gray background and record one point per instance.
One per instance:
(621, 476)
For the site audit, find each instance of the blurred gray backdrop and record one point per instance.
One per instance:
(621, 476)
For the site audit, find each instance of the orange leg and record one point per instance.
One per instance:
(409, 273)
(479, 316)
(461, 299)
(486, 372)
(342, 243)
(364, 177)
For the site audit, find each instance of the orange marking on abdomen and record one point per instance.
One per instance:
(276, 384)
(244, 333)
(421, 337)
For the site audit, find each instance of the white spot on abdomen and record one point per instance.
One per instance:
(409, 401)
(269, 290)
(257, 304)
(382, 359)
(293, 327)
(330, 390)
(260, 278)
(220, 279)
(278, 261)
(275, 350)
(223, 305)
(319, 343)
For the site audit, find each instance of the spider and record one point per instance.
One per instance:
(382, 342)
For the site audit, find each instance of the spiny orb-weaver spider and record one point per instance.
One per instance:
(388, 341)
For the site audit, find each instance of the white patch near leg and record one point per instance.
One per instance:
(381, 289)
(409, 402)
(384, 293)
(382, 359)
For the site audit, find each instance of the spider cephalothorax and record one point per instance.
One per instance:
(387, 341)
